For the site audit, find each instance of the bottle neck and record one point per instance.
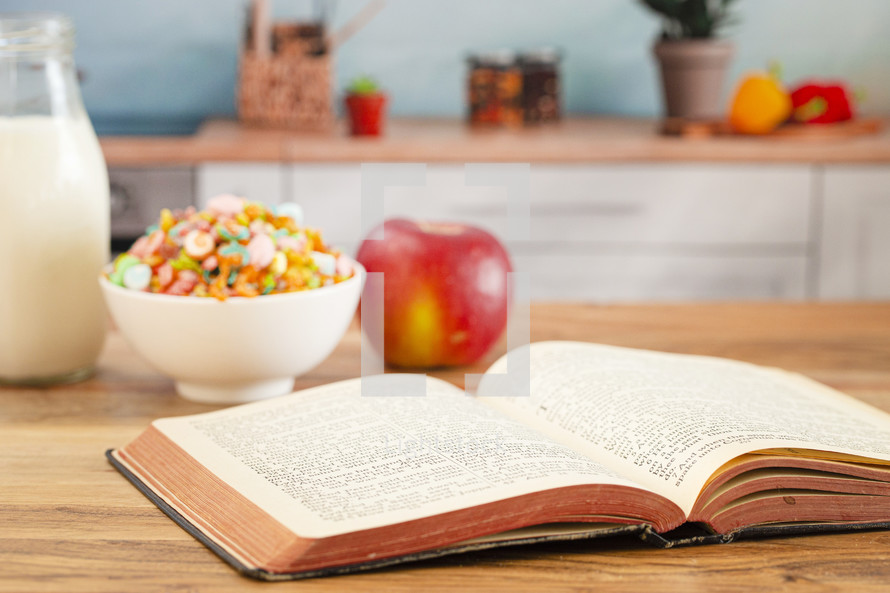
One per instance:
(37, 72)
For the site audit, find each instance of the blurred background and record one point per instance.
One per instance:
(164, 66)
(620, 211)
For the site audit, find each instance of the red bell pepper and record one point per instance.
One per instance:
(816, 103)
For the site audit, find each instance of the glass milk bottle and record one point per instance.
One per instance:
(54, 208)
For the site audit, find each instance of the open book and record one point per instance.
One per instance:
(611, 440)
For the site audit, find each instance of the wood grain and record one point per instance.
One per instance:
(70, 523)
(814, 132)
(575, 140)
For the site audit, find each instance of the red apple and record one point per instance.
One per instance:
(445, 291)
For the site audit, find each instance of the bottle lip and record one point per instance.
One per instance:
(35, 32)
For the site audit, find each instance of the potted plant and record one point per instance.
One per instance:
(693, 61)
(366, 107)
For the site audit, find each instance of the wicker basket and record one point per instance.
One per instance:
(287, 91)
(284, 78)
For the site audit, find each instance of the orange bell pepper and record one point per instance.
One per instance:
(760, 105)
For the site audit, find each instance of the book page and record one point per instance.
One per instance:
(327, 461)
(668, 421)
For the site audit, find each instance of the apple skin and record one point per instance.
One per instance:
(446, 290)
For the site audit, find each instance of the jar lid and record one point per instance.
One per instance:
(493, 59)
(541, 55)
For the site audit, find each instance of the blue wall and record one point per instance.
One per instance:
(164, 65)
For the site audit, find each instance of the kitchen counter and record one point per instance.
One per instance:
(69, 522)
(646, 216)
(575, 140)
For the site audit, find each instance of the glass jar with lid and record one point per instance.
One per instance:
(54, 207)
(540, 85)
(494, 89)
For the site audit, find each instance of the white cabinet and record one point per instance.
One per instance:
(854, 257)
(331, 199)
(617, 231)
(611, 232)
(671, 204)
(670, 232)
(601, 277)
(263, 182)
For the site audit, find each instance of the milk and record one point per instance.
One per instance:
(54, 240)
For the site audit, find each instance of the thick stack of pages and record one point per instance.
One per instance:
(610, 440)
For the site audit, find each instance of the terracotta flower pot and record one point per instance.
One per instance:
(692, 75)
(367, 113)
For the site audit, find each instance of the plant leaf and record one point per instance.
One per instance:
(695, 19)
(668, 8)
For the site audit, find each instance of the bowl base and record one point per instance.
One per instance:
(237, 393)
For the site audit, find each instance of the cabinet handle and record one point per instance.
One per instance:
(559, 210)
(597, 209)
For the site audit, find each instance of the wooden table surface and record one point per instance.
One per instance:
(574, 140)
(70, 523)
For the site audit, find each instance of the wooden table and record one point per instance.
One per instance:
(69, 522)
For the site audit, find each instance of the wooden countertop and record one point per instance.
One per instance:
(70, 523)
(575, 140)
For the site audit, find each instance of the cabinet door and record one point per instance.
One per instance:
(677, 204)
(262, 182)
(617, 232)
(605, 278)
(672, 204)
(331, 197)
(855, 245)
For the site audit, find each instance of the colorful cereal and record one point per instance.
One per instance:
(233, 248)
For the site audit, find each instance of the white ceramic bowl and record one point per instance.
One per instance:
(238, 350)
